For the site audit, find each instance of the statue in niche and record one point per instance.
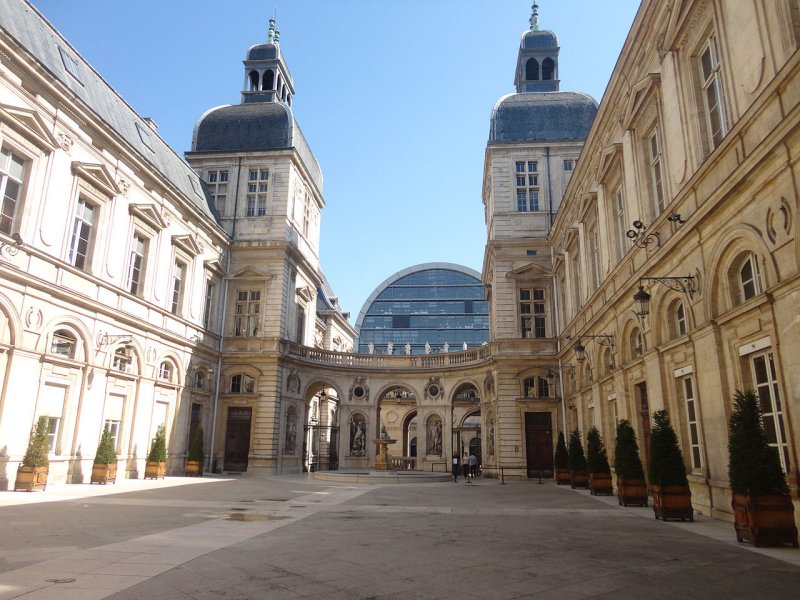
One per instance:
(435, 437)
(357, 438)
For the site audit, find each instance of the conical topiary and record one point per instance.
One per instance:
(196, 449)
(561, 459)
(754, 467)
(596, 457)
(666, 459)
(38, 446)
(577, 459)
(627, 463)
(106, 453)
(158, 448)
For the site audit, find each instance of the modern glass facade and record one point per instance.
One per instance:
(434, 303)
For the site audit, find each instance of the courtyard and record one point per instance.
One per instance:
(294, 537)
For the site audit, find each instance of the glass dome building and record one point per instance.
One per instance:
(432, 303)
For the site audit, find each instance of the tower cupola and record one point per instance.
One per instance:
(266, 76)
(537, 65)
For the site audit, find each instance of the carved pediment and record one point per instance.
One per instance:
(187, 243)
(29, 124)
(149, 214)
(97, 176)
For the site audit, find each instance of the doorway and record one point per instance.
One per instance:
(237, 438)
(539, 444)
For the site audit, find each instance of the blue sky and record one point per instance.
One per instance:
(393, 97)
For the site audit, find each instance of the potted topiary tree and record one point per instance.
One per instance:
(597, 463)
(157, 458)
(104, 468)
(762, 508)
(578, 476)
(672, 498)
(631, 486)
(561, 461)
(32, 473)
(194, 462)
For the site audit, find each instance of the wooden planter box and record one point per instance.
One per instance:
(764, 520)
(155, 470)
(31, 479)
(579, 479)
(562, 476)
(194, 468)
(104, 473)
(600, 483)
(672, 502)
(632, 492)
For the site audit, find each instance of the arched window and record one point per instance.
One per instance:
(749, 277)
(242, 384)
(269, 80)
(253, 76)
(166, 370)
(548, 68)
(63, 343)
(532, 70)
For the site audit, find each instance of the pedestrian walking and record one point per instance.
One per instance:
(473, 465)
(455, 467)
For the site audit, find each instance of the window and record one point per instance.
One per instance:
(208, 303)
(622, 238)
(248, 308)
(568, 165)
(113, 426)
(532, 313)
(749, 278)
(242, 384)
(765, 380)
(527, 177)
(656, 172)
(165, 371)
(63, 344)
(257, 192)
(52, 433)
(218, 186)
(691, 421)
(82, 231)
(12, 171)
(136, 265)
(710, 76)
(178, 276)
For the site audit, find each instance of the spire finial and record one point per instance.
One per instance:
(534, 17)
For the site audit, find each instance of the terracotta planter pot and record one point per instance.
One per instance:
(632, 492)
(672, 502)
(600, 483)
(194, 468)
(562, 476)
(579, 479)
(104, 473)
(764, 520)
(31, 479)
(155, 470)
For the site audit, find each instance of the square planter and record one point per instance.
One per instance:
(155, 470)
(194, 468)
(632, 492)
(600, 483)
(31, 479)
(764, 520)
(104, 473)
(562, 476)
(579, 479)
(672, 502)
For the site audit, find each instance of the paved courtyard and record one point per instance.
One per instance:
(294, 537)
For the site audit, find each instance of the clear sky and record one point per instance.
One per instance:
(394, 98)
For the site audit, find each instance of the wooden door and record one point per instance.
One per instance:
(539, 444)
(237, 438)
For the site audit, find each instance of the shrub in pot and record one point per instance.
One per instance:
(578, 475)
(597, 464)
(631, 486)
(561, 460)
(672, 498)
(762, 507)
(104, 468)
(32, 473)
(194, 462)
(157, 457)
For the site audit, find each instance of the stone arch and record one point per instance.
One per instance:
(732, 243)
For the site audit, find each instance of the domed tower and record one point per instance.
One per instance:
(535, 138)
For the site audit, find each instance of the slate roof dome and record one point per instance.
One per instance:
(539, 40)
(542, 116)
(253, 127)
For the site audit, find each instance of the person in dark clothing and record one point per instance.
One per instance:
(455, 467)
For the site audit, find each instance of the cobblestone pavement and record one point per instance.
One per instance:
(294, 537)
